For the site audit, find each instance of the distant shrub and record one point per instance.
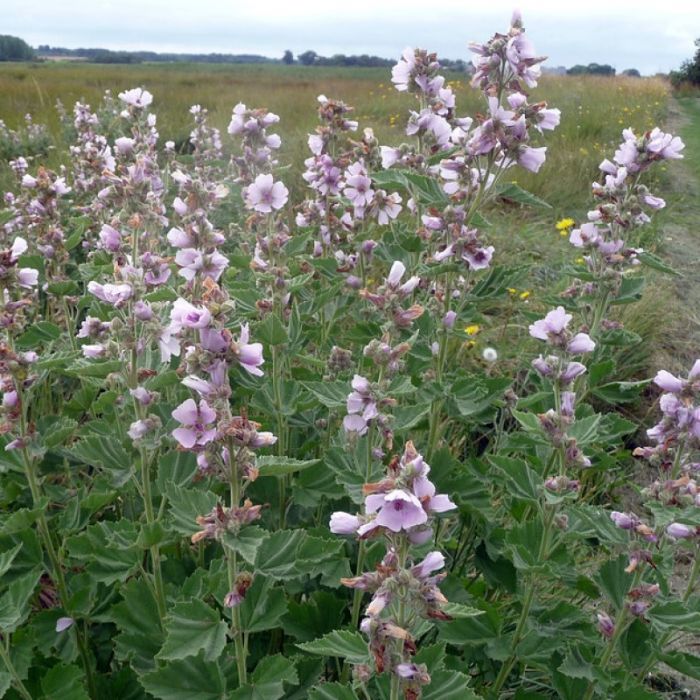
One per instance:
(12, 48)
(689, 71)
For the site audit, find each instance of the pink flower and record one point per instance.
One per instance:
(678, 531)
(19, 247)
(401, 72)
(397, 510)
(178, 238)
(193, 262)
(168, 344)
(668, 382)
(432, 562)
(137, 97)
(114, 294)
(358, 187)
(361, 406)
(249, 355)
(195, 422)
(27, 277)
(63, 623)
(344, 523)
(393, 280)
(532, 158)
(388, 206)
(554, 323)
(264, 194)
(93, 351)
(186, 315)
(580, 343)
(110, 238)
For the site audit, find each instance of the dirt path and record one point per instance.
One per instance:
(681, 239)
(681, 249)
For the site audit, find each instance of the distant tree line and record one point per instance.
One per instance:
(311, 58)
(108, 56)
(13, 48)
(591, 69)
(689, 71)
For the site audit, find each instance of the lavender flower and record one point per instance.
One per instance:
(264, 194)
(195, 430)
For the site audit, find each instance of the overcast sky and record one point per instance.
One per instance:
(649, 36)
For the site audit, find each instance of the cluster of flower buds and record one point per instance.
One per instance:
(631, 522)
(638, 153)
(457, 241)
(135, 187)
(387, 356)
(389, 297)
(506, 59)
(682, 492)
(339, 172)
(223, 521)
(365, 405)
(639, 600)
(399, 508)
(205, 139)
(677, 434)
(30, 139)
(16, 376)
(561, 370)
(91, 156)
(195, 237)
(36, 213)
(553, 329)
(417, 72)
(17, 298)
(257, 146)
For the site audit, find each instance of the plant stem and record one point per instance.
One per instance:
(19, 686)
(47, 541)
(281, 430)
(542, 555)
(150, 519)
(240, 644)
(361, 551)
(667, 635)
(232, 566)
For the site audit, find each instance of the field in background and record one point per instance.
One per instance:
(594, 109)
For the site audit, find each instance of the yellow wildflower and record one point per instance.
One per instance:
(473, 329)
(564, 225)
(524, 295)
(512, 290)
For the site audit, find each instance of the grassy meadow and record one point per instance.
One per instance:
(594, 109)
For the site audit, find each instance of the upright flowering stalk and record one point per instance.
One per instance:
(198, 257)
(674, 496)
(265, 198)
(225, 445)
(18, 383)
(132, 238)
(38, 214)
(205, 139)
(401, 510)
(91, 158)
(257, 146)
(481, 150)
(560, 369)
(622, 205)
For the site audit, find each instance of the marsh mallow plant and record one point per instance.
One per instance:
(251, 449)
